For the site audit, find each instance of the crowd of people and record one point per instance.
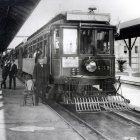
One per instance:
(9, 68)
(40, 76)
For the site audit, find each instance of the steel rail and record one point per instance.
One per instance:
(68, 123)
(127, 118)
(81, 121)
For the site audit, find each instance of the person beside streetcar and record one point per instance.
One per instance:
(40, 78)
(12, 74)
(5, 73)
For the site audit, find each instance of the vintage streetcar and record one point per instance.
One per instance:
(79, 47)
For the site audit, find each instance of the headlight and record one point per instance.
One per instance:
(91, 66)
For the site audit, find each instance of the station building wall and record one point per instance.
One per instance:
(121, 52)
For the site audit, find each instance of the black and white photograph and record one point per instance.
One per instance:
(69, 70)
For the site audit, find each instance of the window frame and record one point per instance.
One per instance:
(111, 39)
(77, 50)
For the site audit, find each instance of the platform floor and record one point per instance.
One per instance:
(19, 122)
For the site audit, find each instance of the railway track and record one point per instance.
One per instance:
(102, 125)
(123, 125)
(81, 127)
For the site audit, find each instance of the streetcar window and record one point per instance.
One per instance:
(45, 46)
(87, 41)
(56, 41)
(136, 49)
(70, 41)
(103, 44)
(125, 49)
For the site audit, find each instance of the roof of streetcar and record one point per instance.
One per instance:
(77, 17)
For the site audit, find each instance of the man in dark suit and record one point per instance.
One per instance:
(12, 74)
(41, 79)
(5, 72)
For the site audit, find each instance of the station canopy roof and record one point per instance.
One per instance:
(129, 29)
(13, 14)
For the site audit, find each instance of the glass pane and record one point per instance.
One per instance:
(87, 41)
(125, 49)
(56, 41)
(70, 41)
(136, 49)
(103, 44)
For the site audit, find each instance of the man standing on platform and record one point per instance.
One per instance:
(5, 73)
(12, 74)
(41, 79)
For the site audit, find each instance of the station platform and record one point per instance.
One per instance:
(130, 80)
(133, 79)
(18, 122)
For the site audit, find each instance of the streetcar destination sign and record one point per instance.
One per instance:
(68, 62)
(79, 16)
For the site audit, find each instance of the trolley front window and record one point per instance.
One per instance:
(103, 44)
(69, 41)
(96, 41)
(87, 41)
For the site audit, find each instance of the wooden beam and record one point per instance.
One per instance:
(133, 43)
(126, 44)
(12, 2)
(129, 50)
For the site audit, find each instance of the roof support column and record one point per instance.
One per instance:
(130, 47)
(130, 56)
(129, 50)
